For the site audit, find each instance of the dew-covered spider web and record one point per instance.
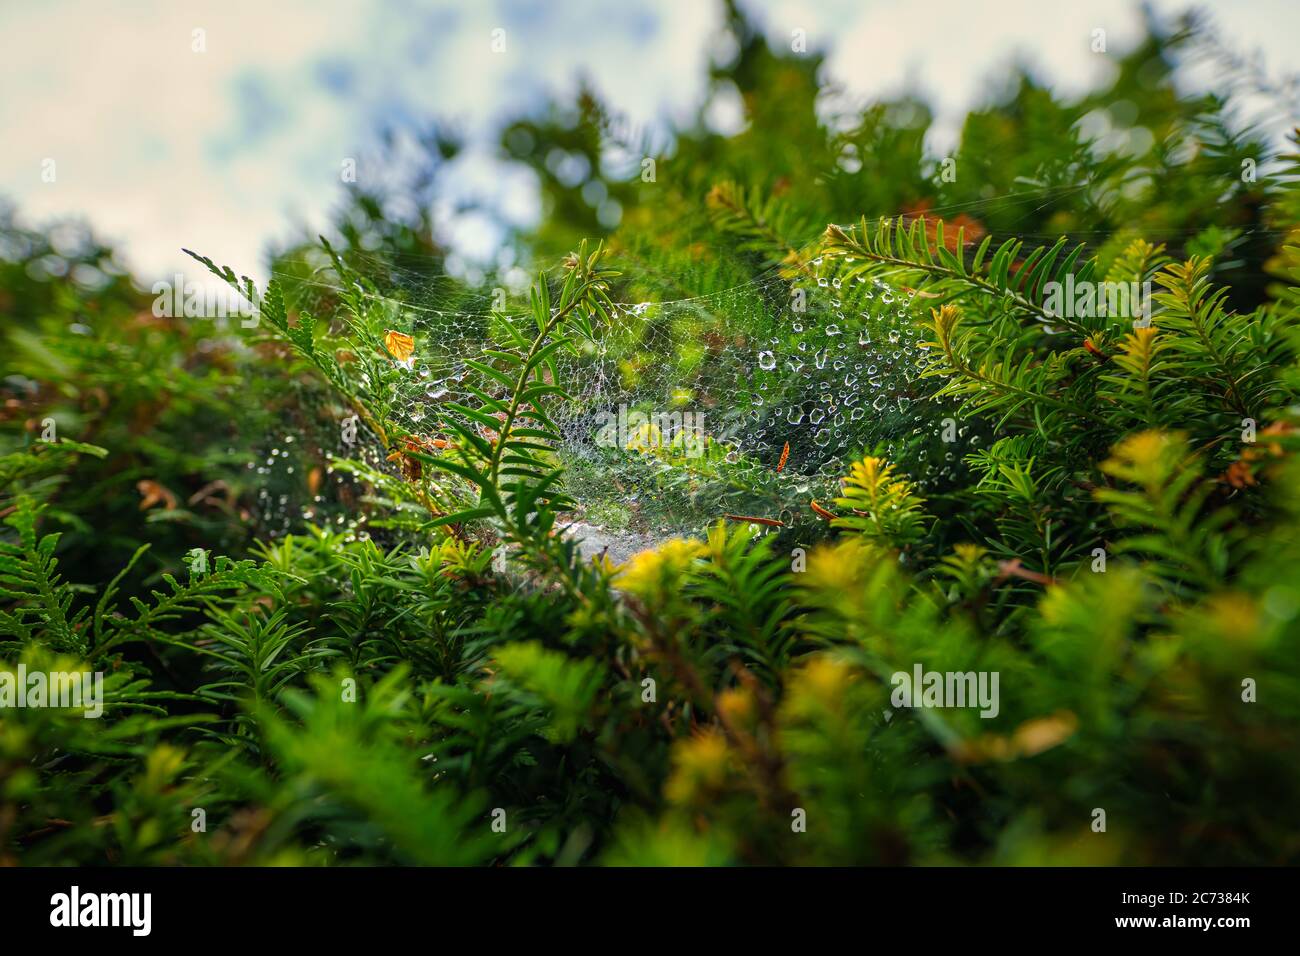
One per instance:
(746, 402)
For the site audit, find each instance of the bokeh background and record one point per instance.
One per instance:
(240, 147)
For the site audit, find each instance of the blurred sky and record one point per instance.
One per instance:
(162, 147)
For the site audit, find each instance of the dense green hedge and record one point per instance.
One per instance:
(328, 661)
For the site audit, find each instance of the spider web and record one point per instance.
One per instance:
(781, 379)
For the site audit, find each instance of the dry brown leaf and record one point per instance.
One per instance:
(153, 493)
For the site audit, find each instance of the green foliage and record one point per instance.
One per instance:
(884, 506)
(412, 661)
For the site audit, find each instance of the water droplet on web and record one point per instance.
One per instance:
(766, 360)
